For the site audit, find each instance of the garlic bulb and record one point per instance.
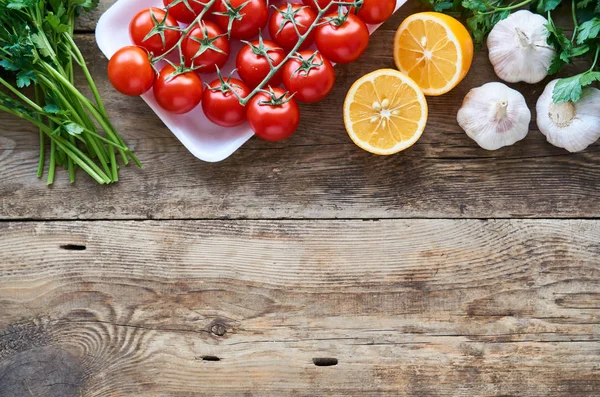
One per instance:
(568, 125)
(518, 49)
(494, 116)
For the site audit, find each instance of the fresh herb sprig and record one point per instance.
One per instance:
(585, 41)
(37, 49)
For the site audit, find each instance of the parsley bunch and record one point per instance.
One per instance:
(37, 49)
(585, 41)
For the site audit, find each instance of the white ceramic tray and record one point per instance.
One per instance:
(202, 138)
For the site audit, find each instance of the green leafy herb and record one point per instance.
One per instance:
(37, 49)
(584, 41)
(73, 129)
(571, 89)
(588, 30)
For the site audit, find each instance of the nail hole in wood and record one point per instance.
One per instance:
(73, 247)
(325, 361)
(218, 329)
(210, 358)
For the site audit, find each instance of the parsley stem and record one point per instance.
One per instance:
(70, 165)
(104, 123)
(86, 72)
(20, 95)
(41, 161)
(595, 58)
(575, 23)
(508, 8)
(52, 165)
(78, 116)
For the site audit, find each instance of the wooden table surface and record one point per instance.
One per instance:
(303, 268)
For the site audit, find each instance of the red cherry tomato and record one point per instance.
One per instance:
(311, 78)
(376, 11)
(249, 17)
(321, 3)
(273, 122)
(142, 24)
(182, 13)
(253, 68)
(221, 106)
(178, 94)
(130, 71)
(205, 46)
(282, 28)
(344, 43)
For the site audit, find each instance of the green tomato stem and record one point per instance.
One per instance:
(187, 30)
(291, 54)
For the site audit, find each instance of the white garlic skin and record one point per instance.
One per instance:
(518, 49)
(568, 125)
(494, 116)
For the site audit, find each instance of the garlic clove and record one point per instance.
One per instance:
(518, 49)
(494, 116)
(568, 125)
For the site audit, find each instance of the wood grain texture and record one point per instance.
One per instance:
(318, 173)
(406, 307)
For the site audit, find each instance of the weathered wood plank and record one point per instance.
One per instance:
(318, 173)
(407, 307)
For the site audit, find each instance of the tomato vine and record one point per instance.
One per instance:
(343, 9)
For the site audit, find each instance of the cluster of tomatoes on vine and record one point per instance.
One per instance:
(338, 28)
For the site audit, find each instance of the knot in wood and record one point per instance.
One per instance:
(218, 329)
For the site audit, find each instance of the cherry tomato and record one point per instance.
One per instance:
(287, 37)
(313, 4)
(142, 24)
(250, 16)
(206, 46)
(273, 122)
(342, 43)
(311, 78)
(130, 71)
(221, 106)
(182, 13)
(376, 11)
(178, 94)
(253, 68)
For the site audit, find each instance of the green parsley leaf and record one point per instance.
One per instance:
(589, 77)
(73, 129)
(20, 4)
(55, 24)
(51, 108)
(442, 6)
(571, 89)
(547, 5)
(568, 89)
(584, 3)
(588, 30)
(25, 78)
(41, 44)
(52, 20)
(8, 65)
